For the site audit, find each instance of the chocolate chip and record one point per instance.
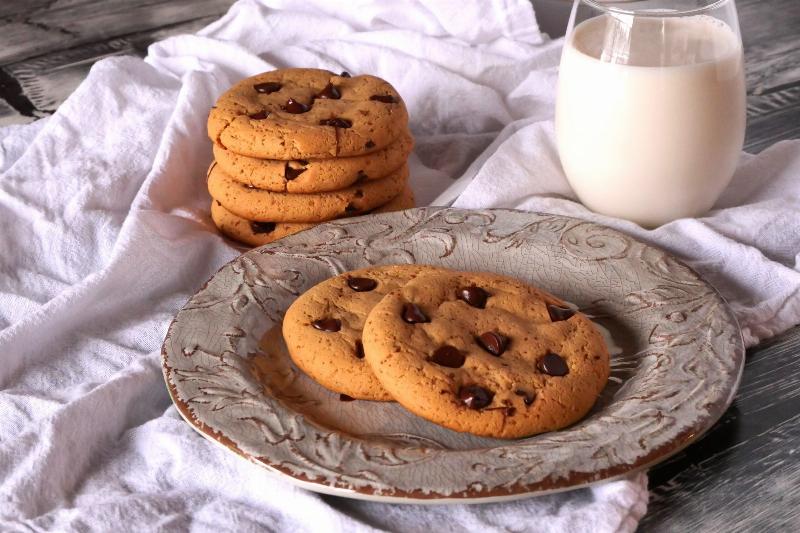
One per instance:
(330, 91)
(359, 193)
(362, 284)
(345, 74)
(492, 342)
(475, 397)
(331, 325)
(369, 144)
(559, 313)
(361, 176)
(268, 87)
(350, 208)
(413, 314)
(510, 411)
(385, 98)
(346, 398)
(552, 364)
(527, 397)
(474, 296)
(291, 173)
(262, 227)
(336, 122)
(359, 350)
(219, 204)
(295, 107)
(448, 356)
(248, 186)
(261, 115)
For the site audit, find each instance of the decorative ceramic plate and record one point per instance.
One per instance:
(677, 356)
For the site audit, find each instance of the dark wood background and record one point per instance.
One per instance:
(744, 475)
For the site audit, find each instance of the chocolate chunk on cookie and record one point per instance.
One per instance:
(322, 328)
(479, 353)
(303, 113)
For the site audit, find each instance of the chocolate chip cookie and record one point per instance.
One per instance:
(302, 113)
(314, 175)
(250, 232)
(266, 206)
(322, 328)
(260, 233)
(485, 354)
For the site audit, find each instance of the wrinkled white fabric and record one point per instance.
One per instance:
(106, 233)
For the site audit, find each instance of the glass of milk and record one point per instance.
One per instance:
(650, 114)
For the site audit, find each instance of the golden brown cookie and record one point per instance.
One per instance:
(314, 175)
(485, 354)
(404, 200)
(266, 206)
(253, 233)
(322, 328)
(260, 233)
(302, 113)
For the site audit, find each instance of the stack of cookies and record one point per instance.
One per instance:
(296, 147)
(473, 352)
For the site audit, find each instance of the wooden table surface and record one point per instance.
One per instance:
(744, 474)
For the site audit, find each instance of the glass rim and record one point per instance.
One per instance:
(599, 4)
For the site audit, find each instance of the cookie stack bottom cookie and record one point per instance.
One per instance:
(256, 233)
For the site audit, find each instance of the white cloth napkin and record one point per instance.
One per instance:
(106, 233)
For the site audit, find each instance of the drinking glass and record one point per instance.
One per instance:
(650, 113)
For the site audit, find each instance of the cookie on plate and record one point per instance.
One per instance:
(322, 328)
(305, 113)
(485, 354)
(314, 175)
(267, 206)
(260, 233)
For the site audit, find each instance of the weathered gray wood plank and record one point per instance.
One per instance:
(771, 35)
(61, 25)
(744, 474)
(48, 80)
(772, 117)
(33, 86)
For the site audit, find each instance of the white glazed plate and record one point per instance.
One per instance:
(677, 357)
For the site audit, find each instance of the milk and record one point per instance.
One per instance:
(651, 132)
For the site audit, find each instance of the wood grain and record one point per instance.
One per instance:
(57, 25)
(47, 48)
(744, 474)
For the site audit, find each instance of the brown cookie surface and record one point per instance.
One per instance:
(307, 113)
(267, 206)
(250, 232)
(260, 233)
(322, 328)
(485, 354)
(314, 175)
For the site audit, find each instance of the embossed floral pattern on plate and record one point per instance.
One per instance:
(678, 360)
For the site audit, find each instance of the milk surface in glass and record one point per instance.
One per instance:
(650, 114)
